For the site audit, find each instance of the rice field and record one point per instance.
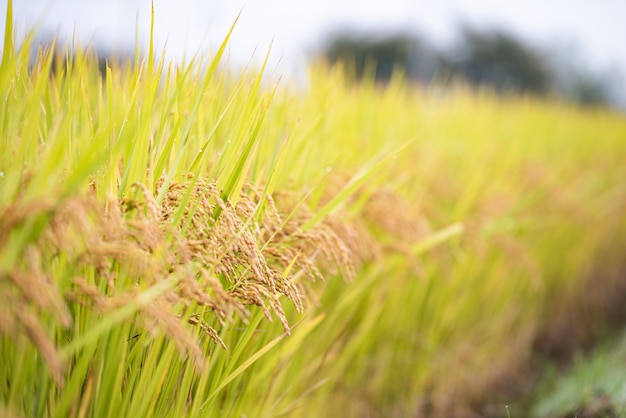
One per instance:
(184, 240)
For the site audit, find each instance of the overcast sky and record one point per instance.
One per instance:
(593, 29)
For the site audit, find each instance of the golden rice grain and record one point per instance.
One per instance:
(224, 264)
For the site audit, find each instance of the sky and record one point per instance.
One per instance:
(591, 32)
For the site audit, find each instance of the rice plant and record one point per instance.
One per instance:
(189, 241)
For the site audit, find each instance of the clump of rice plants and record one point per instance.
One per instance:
(185, 241)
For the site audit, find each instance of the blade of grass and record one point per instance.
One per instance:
(244, 366)
(8, 50)
(238, 173)
(438, 238)
(119, 316)
(200, 95)
(352, 186)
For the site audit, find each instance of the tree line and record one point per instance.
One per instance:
(485, 58)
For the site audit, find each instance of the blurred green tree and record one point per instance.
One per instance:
(489, 58)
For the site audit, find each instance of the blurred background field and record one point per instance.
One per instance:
(190, 239)
(579, 43)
